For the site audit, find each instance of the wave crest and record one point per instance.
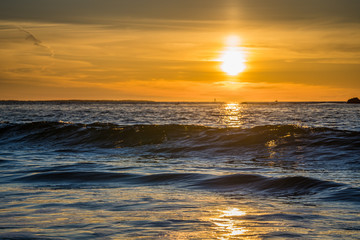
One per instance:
(176, 137)
(233, 183)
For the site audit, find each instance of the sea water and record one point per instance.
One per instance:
(115, 170)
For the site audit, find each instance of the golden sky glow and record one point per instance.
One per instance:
(234, 50)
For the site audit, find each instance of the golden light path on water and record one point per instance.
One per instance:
(227, 226)
(234, 115)
(231, 114)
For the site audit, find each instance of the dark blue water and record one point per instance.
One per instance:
(108, 170)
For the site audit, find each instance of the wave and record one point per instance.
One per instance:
(76, 176)
(173, 138)
(292, 185)
(234, 183)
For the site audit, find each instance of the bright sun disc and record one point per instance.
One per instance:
(233, 59)
(233, 62)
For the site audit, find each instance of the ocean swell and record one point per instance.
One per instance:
(233, 183)
(173, 138)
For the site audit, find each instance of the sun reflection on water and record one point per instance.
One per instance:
(227, 224)
(233, 212)
(231, 114)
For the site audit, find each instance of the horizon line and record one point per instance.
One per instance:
(153, 101)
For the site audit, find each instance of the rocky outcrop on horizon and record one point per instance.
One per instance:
(354, 100)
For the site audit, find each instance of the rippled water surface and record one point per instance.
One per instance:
(109, 170)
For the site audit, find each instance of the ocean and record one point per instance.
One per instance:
(149, 170)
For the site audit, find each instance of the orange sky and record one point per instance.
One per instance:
(171, 50)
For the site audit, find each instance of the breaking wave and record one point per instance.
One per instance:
(174, 138)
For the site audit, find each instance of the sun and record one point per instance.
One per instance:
(233, 59)
(233, 62)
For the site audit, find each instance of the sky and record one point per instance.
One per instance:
(173, 50)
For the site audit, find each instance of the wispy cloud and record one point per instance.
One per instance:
(31, 37)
